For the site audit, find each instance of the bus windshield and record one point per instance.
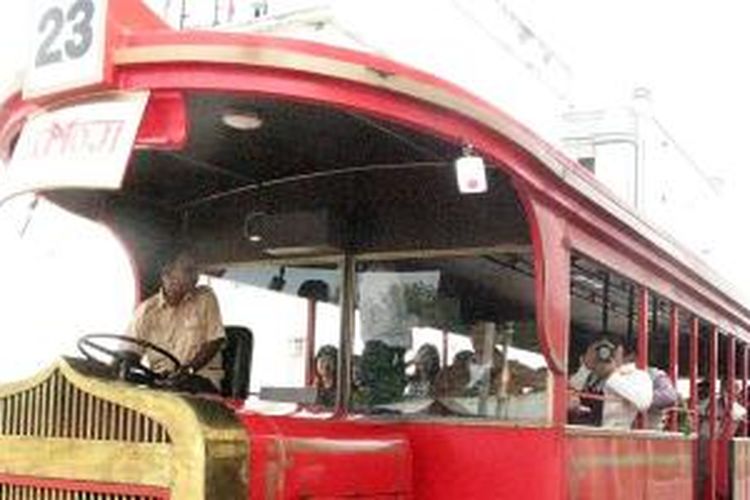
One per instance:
(351, 272)
(64, 276)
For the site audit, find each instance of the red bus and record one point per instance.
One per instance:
(340, 202)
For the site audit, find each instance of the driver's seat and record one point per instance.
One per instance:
(236, 357)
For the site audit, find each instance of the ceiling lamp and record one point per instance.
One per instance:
(242, 120)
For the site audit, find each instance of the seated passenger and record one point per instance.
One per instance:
(471, 371)
(382, 374)
(452, 379)
(326, 362)
(611, 392)
(184, 319)
(426, 367)
(665, 394)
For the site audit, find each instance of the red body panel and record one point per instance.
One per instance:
(628, 468)
(417, 460)
(310, 458)
(741, 468)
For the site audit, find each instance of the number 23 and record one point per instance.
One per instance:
(80, 14)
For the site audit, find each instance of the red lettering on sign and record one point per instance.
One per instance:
(77, 138)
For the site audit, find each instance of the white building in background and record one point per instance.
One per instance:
(633, 154)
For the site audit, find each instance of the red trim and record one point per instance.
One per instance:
(86, 486)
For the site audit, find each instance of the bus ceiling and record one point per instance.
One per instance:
(260, 178)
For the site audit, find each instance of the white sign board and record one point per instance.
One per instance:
(67, 47)
(80, 146)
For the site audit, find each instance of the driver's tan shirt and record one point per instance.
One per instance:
(181, 329)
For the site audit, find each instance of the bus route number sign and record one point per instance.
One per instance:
(67, 46)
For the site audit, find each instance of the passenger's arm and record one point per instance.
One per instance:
(665, 394)
(634, 386)
(578, 380)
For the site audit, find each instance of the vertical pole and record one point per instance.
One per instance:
(312, 312)
(346, 341)
(445, 348)
(183, 14)
(605, 304)
(727, 423)
(643, 304)
(216, 12)
(745, 374)
(693, 407)
(731, 375)
(642, 359)
(674, 358)
(694, 343)
(489, 335)
(713, 372)
(631, 313)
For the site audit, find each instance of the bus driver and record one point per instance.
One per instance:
(184, 319)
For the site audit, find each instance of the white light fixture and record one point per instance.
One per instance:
(242, 120)
(470, 172)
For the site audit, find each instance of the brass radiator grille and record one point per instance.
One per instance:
(56, 408)
(17, 492)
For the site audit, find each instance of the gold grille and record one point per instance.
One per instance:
(56, 408)
(15, 492)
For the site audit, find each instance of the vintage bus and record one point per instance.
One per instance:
(342, 203)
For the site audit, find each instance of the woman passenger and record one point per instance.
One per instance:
(326, 361)
(426, 367)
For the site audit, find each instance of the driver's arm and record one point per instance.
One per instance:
(205, 354)
(213, 331)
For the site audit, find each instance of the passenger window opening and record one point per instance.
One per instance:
(612, 382)
(293, 314)
(432, 334)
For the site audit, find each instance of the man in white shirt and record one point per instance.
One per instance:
(624, 389)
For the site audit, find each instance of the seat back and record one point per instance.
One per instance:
(237, 358)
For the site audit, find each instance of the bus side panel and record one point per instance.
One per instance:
(629, 467)
(740, 467)
(481, 461)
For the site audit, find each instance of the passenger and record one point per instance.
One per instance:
(728, 418)
(326, 362)
(665, 394)
(382, 374)
(184, 319)
(611, 391)
(426, 368)
(452, 380)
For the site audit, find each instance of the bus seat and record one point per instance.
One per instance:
(237, 356)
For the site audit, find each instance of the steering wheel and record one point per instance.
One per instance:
(130, 367)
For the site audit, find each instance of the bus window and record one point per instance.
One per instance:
(448, 336)
(288, 309)
(605, 332)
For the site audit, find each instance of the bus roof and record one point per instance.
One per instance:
(144, 41)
